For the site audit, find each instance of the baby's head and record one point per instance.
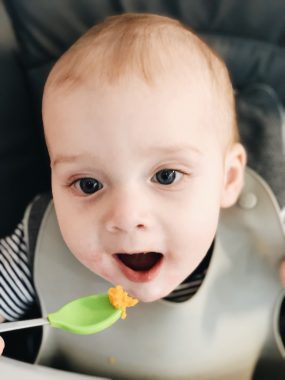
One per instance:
(140, 124)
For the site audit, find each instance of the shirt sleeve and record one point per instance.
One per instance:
(16, 284)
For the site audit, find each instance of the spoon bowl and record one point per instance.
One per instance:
(86, 315)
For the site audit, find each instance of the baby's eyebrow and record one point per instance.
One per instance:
(67, 159)
(167, 150)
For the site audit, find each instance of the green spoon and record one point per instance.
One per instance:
(86, 315)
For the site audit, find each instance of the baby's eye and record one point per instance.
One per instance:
(166, 176)
(88, 185)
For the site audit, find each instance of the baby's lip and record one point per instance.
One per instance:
(139, 266)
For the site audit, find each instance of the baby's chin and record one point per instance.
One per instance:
(147, 298)
(147, 294)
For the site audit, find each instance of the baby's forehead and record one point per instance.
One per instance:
(151, 48)
(162, 71)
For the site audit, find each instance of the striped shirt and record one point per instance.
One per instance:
(16, 284)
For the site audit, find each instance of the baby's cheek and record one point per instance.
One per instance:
(89, 258)
(87, 250)
(98, 264)
(79, 244)
(76, 232)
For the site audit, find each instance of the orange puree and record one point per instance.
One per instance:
(121, 300)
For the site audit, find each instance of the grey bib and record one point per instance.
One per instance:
(227, 330)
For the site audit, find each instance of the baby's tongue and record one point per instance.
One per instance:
(140, 261)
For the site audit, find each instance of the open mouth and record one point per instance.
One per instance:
(139, 267)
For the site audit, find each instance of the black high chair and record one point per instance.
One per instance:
(248, 34)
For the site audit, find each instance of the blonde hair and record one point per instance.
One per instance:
(145, 45)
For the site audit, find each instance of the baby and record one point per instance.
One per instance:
(140, 124)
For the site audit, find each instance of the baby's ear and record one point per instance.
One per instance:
(235, 162)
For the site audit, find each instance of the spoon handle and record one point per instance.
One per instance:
(9, 326)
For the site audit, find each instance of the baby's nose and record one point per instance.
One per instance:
(125, 214)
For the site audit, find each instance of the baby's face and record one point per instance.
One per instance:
(137, 180)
